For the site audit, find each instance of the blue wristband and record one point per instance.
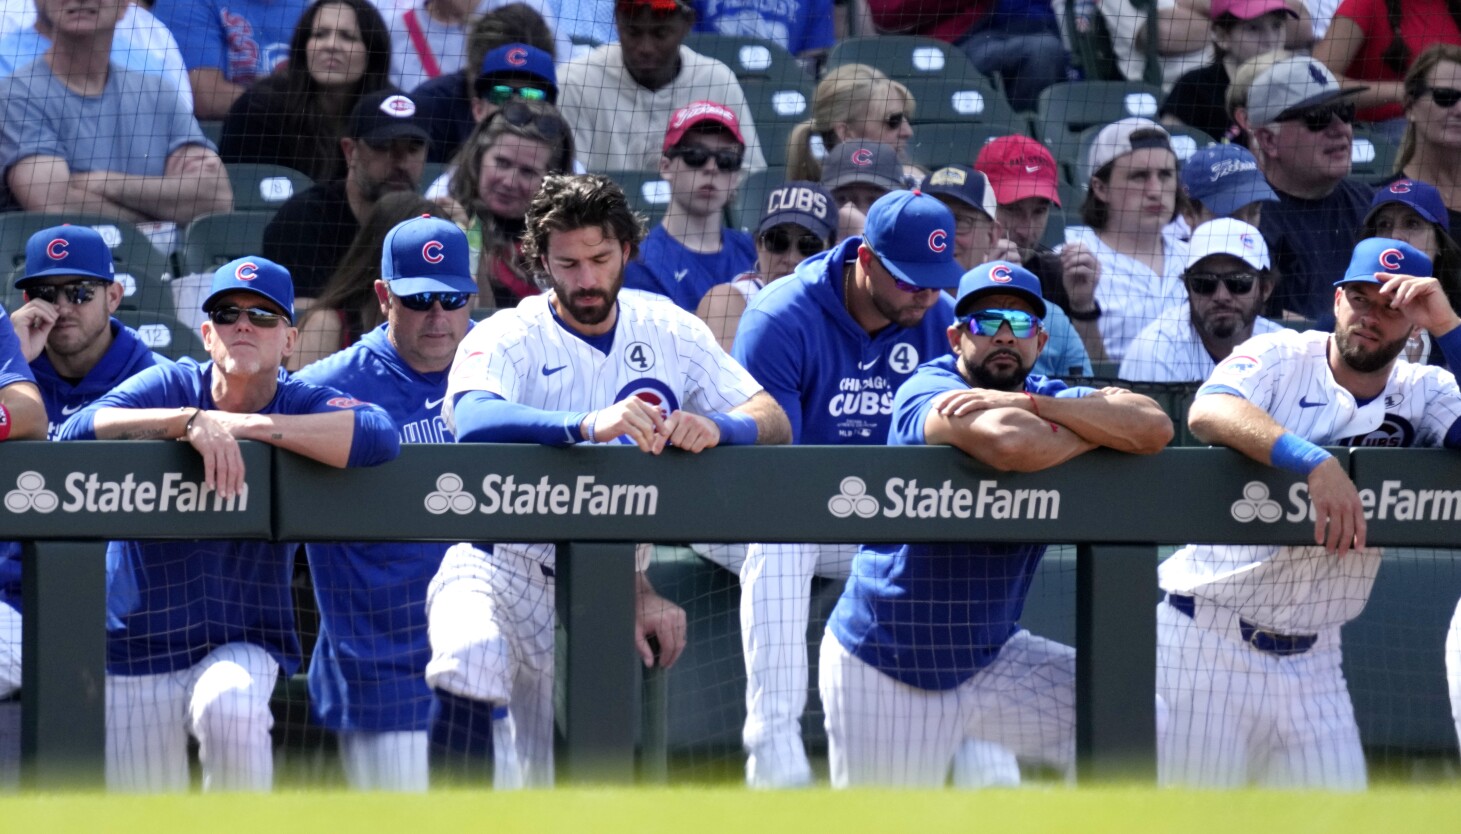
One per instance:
(736, 428)
(1296, 454)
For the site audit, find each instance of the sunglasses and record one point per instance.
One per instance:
(893, 121)
(778, 239)
(77, 292)
(500, 94)
(518, 114)
(1206, 283)
(987, 322)
(422, 301)
(258, 316)
(696, 157)
(1445, 97)
(1319, 118)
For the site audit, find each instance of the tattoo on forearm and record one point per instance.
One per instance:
(278, 435)
(143, 434)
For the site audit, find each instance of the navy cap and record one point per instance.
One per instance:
(807, 204)
(1423, 197)
(1224, 178)
(913, 236)
(964, 184)
(519, 60)
(385, 115)
(999, 278)
(67, 250)
(1382, 254)
(259, 276)
(426, 254)
(872, 163)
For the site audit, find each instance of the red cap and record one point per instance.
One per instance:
(1249, 9)
(1019, 167)
(700, 112)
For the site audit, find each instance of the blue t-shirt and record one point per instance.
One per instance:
(834, 381)
(169, 603)
(797, 25)
(244, 39)
(666, 267)
(13, 369)
(368, 668)
(931, 615)
(25, 45)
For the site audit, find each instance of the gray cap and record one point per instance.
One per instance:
(1293, 84)
(1114, 141)
(863, 162)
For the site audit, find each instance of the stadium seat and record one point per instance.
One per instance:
(936, 145)
(164, 334)
(258, 187)
(1372, 155)
(745, 210)
(749, 58)
(214, 240)
(777, 107)
(1068, 108)
(141, 269)
(905, 57)
(646, 191)
(968, 100)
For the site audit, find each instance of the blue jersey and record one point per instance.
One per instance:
(169, 603)
(835, 382)
(63, 397)
(931, 615)
(368, 671)
(666, 267)
(797, 25)
(13, 369)
(244, 39)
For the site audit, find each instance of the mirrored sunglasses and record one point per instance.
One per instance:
(500, 94)
(987, 322)
(422, 301)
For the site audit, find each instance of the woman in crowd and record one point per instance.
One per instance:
(1240, 30)
(348, 307)
(1430, 151)
(498, 170)
(340, 51)
(1412, 211)
(853, 101)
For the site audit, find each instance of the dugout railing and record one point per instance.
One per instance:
(65, 500)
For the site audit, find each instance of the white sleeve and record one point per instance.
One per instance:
(1443, 408)
(716, 383)
(1253, 370)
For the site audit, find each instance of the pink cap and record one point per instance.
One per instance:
(700, 112)
(1249, 9)
(1019, 167)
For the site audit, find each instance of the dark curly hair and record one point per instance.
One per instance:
(565, 203)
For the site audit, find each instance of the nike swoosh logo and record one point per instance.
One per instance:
(681, 273)
(1304, 403)
(547, 371)
(1032, 168)
(434, 403)
(868, 366)
(68, 410)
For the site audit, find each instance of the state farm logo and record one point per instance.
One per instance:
(505, 495)
(449, 495)
(907, 498)
(30, 493)
(1255, 503)
(853, 499)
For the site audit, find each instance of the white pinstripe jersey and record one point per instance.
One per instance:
(1300, 590)
(658, 352)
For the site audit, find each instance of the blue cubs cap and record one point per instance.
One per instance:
(1382, 254)
(426, 254)
(1422, 197)
(259, 276)
(521, 62)
(1224, 178)
(999, 278)
(807, 204)
(913, 236)
(67, 250)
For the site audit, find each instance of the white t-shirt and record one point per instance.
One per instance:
(1131, 296)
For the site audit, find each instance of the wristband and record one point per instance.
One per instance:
(1296, 454)
(736, 428)
(1089, 315)
(5, 423)
(588, 433)
(188, 426)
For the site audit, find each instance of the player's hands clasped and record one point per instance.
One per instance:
(641, 421)
(212, 433)
(1339, 516)
(1422, 300)
(689, 432)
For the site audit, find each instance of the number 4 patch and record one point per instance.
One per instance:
(903, 359)
(639, 356)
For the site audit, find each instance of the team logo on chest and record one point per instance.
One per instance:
(652, 391)
(1394, 432)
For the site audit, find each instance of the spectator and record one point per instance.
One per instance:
(449, 103)
(205, 663)
(385, 151)
(978, 239)
(1133, 197)
(1224, 181)
(1300, 121)
(81, 135)
(617, 98)
(1431, 148)
(1373, 43)
(365, 679)
(1413, 212)
(347, 307)
(858, 174)
(803, 28)
(1017, 41)
(934, 628)
(228, 46)
(1228, 279)
(853, 101)
(1025, 181)
(428, 40)
(692, 250)
(1181, 39)
(296, 117)
(497, 173)
(1241, 29)
(799, 222)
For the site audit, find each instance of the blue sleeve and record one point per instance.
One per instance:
(819, 32)
(1450, 345)
(160, 386)
(376, 439)
(195, 25)
(912, 403)
(766, 352)
(13, 367)
(484, 417)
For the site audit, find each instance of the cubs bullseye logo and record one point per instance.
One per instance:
(1400, 187)
(56, 249)
(343, 402)
(518, 57)
(246, 271)
(938, 240)
(431, 252)
(653, 392)
(1391, 258)
(1000, 274)
(862, 156)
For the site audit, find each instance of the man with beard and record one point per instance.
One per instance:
(1228, 279)
(585, 363)
(1249, 684)
(924, 649)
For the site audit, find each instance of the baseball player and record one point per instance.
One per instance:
(197, 631)
(365, 678)
(583, 364)
(924, 649)
(1248, 655)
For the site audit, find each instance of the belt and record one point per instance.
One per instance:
(1269, 642)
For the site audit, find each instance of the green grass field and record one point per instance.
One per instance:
(712, 810)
